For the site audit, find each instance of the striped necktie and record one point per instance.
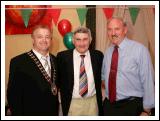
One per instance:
(83, 82)
(46, 65)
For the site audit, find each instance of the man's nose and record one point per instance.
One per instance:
(113, 32)
(44, 38)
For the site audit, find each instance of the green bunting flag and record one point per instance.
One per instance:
(134, 13)
(82, 14)
(26, 15)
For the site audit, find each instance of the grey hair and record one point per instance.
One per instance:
(118, 18)
(83, 30)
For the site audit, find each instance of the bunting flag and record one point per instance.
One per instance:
(82, 14)
(18, 22)
(134, 13)
(22, 21)
(26, 13)
(54, 14)
(108, 12)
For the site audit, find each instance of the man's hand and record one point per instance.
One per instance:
(146, 112)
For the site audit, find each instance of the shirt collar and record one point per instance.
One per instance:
(77, 54)
(122, 44)
(38, 54)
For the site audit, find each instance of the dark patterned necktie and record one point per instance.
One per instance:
(83, 82)
(112, 75)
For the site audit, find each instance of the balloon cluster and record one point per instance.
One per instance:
(64, 27)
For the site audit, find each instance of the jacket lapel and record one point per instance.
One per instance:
(35, 74)
(93, 62)
(70, 69)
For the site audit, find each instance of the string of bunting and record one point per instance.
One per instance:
(20, 20)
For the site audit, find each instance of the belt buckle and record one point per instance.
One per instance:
(132, 98)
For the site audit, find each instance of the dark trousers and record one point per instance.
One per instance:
(132, 106)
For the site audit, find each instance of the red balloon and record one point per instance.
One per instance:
(64, 26)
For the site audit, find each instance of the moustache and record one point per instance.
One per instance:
(116, 36)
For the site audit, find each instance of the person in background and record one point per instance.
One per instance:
(32, 89)
(128, 74)
(80, 77)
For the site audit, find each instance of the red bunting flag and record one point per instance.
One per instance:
(108, 12)
(54, 14)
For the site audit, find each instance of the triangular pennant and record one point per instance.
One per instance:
(108, 12)
(54, 14)
(82, 14)
(134, 13)
(26, 15)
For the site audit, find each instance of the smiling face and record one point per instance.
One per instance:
(82, 39)
(81, 42)
(41, 40)
(116, 30)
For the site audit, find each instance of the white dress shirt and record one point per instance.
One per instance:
(39, 56)
(89, 72)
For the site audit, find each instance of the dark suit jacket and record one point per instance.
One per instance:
(28, 91)
(66, 77)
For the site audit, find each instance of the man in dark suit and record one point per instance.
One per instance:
(80, 76)
(32, 78)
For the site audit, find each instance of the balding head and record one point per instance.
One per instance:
(117, 19)
(116, 30)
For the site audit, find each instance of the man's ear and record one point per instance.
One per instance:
(73, 41)
(125, 30)
(32, 39)
(90, 40)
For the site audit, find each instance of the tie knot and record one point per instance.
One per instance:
(116, 47)
(44, 57)
(82, 56)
